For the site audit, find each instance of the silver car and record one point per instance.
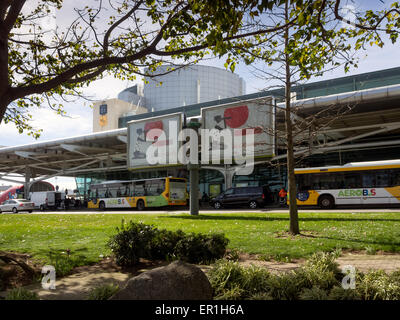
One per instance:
(16, 205)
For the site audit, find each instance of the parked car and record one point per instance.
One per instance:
(16, 205)
(253, 197)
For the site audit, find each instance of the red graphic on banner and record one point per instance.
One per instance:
(237, 116)
(153, 125)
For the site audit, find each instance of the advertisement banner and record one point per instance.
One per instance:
(252, 117)
(163, 140)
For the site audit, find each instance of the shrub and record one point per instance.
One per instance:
(201, 248)
(21, 294)
(232, 255)
(377, 285)
(395, 276)
(164, 243)
(370, 250)
(234, 293)
(319, 279)
(314, 293)
(261, 296)
(103, 292)
(255, 280)
(224, 276)
(229, 279)
(286, 286)
(138, 240)
(321, 270)
(324, 261)
(132, 242)
(339, 293)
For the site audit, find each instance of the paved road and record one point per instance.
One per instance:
(212, 211)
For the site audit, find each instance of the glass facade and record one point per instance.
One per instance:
(190, 85)
(212, 181)
(310, 90)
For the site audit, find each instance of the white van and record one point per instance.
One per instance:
(47, 200)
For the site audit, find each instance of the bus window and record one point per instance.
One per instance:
(155, 187)
(151, 188)
(139, 189)
(321, 181)
(395, 175)
(352, 180)
(127, 192)
(382, 178)
(369, 179)
(107, 194)
(101, 193)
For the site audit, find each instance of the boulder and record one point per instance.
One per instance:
(176, 281)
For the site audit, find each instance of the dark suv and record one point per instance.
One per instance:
(253, 197)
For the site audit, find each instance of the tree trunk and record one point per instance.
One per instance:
(294, 218)
(4, 79)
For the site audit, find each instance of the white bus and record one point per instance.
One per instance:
(357, 183)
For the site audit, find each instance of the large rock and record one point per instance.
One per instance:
(177, 281)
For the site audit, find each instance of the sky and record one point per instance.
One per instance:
(79, 119)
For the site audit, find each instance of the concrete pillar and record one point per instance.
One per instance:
(194, 188)
(228, 176)
(28, 174)
(85, 195)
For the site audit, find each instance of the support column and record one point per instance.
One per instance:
(28, 174)
(228, 176)
(194, 189)
(85, 195)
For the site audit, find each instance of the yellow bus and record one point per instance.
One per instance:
(139, 194)
(357, 183)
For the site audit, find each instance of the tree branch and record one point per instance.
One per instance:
(12, 15)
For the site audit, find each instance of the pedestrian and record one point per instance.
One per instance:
(205, 198)
(282, 196)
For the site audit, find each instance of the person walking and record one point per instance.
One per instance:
(282, 197)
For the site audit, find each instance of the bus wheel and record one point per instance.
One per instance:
(140, 205)
(102, 206)
(326, 202)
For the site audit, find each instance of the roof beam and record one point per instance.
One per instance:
(62, 172)
(72, 148)
(84, 149)
(123, 139)
(28, 155)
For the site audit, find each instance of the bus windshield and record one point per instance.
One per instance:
(177, 189)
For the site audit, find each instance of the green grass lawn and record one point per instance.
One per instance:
(259, 233)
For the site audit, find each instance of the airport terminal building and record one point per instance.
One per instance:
(349, 119)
